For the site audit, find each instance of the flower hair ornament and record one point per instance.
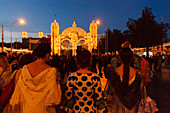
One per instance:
(126, 45)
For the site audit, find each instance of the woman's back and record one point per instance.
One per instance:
(37, 90)
(34, 94)
(124, 101)
(86, 87)
(124, 84)
(132, 73)
(36, 68)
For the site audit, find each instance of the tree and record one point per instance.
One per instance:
(115, 40)
(145, 31)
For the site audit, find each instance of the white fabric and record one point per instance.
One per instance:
(36, 94)
(147, 105)
(6, 74)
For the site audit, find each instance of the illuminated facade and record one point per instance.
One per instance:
(70, 37)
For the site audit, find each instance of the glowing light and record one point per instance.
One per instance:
(21, 21)
(40, 34)
(73, 36)
(24, 34)
(97, 22)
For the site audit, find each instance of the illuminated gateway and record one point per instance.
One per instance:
(72, 37)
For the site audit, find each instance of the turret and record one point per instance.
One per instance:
(54, 29)
(74, 24)
(93, 29)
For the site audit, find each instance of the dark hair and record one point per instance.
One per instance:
(83, 58)
(4, 54)
(26, 59)
(41, 50)
(126, 55)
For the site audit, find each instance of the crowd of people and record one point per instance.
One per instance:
(50, 84)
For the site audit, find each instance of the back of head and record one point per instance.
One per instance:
(4, 54)
(4, 62)
(83, 58)
(126, 55)
(41, 50)
(25, 59)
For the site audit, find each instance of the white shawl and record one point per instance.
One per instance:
(34, 89)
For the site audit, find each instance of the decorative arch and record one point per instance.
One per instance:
(74, 35)
(80, 31)
(65, 39)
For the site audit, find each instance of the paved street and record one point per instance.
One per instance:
(160, 90)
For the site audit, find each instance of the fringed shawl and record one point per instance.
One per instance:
(34, 89)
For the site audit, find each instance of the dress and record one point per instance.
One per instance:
(38, 94)
(123, 103)
(85, 88)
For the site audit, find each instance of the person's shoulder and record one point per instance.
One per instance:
(73, 76)
(95, 76)
(52, 68)
(133, 69)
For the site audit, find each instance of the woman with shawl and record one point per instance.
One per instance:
(36, 90)
(125, 88)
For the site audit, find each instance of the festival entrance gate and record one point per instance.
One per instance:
(71, 37)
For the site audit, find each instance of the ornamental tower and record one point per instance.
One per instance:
(54, 34)
(93, 34)
(93, 29)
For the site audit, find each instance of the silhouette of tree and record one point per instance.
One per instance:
(115, 40)
(145, 31)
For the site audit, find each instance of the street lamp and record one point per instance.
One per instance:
(106, 35)
(20, 21)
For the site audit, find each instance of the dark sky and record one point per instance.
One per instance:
(40, 13)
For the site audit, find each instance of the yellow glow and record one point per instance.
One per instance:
(40, 34)
(72, 35)
(24, 34)
(22, 21)
(98, 22)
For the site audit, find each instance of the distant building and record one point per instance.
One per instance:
(26, 44)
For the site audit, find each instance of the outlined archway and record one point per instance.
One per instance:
(74, 35)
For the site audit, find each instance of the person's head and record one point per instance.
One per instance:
(4, 54)
(126, 55)
(42, 50)
(14, 54)
(114, 55)
(3, 62)
(83, 58)
(26, 59)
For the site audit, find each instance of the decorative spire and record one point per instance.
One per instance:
(74, 25)
(55, 23)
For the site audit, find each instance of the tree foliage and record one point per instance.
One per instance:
(145, 31)
(115, 39)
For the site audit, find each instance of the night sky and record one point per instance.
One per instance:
(39, 14)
